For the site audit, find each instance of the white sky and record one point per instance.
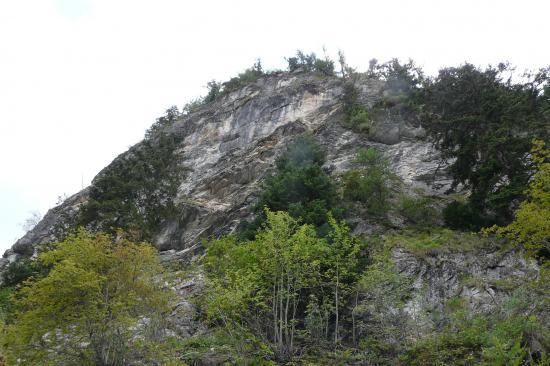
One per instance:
(81, 80)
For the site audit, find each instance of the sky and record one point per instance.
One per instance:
(81, 80)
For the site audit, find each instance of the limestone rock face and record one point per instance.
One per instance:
(484, 278)
(229, 146)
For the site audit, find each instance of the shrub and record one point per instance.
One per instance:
(19, 271)
(373, 183)
(464, 216)
(299, 186)
(357, 117)
(248, 76)
(171, 115)
(309, 63)
(419, 210)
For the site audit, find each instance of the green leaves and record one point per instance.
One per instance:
(81, 311)
(483, 123)
(373, 183)
(272, 284)
(531, 226)
(300, 187)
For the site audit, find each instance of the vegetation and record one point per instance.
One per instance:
(419, 210)
(19, 271)
(357, 116)
(503, 338)
(373, 183)
(310, 63)
(135, 193)
(82, 310)
(299, 186)
(287, 286)
(483, 122)
(295, 286)
(531, 226)
(171, 115)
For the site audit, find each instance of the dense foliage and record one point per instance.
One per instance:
(531, 226)
(136, 191)
(483, 122)
(288, 286)
(82, 310)
(300, 186)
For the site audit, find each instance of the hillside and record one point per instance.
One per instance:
(264, 162)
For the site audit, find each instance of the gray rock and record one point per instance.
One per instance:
(229, 146)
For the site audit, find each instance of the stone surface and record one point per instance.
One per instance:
(229, 146)
(476, 276)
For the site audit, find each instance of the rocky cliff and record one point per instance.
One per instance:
(227, 147)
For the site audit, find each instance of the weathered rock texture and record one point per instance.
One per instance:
(229, 146)
(484, 279)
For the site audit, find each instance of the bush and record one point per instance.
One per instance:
(463, 216)
(357, 117)
(309, 63)
(300, 186)
(373, 183)
(19, 271)
(419, 210)
(476, 340)
(248, 76)
(171, 115)
(87, 308)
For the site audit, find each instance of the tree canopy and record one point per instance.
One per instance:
(82, 310)
(483, 122)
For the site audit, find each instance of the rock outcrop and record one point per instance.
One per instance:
(229, 146)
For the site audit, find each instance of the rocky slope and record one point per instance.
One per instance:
(226, 148)
(229, 146)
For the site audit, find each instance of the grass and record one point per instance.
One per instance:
(438, 241)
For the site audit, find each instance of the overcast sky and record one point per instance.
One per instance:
(81, 80)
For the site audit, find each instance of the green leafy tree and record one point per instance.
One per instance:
(288, 286)
(531, 226)
(262, 283)
(82, 311)
(342, 269)
(373, 183)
